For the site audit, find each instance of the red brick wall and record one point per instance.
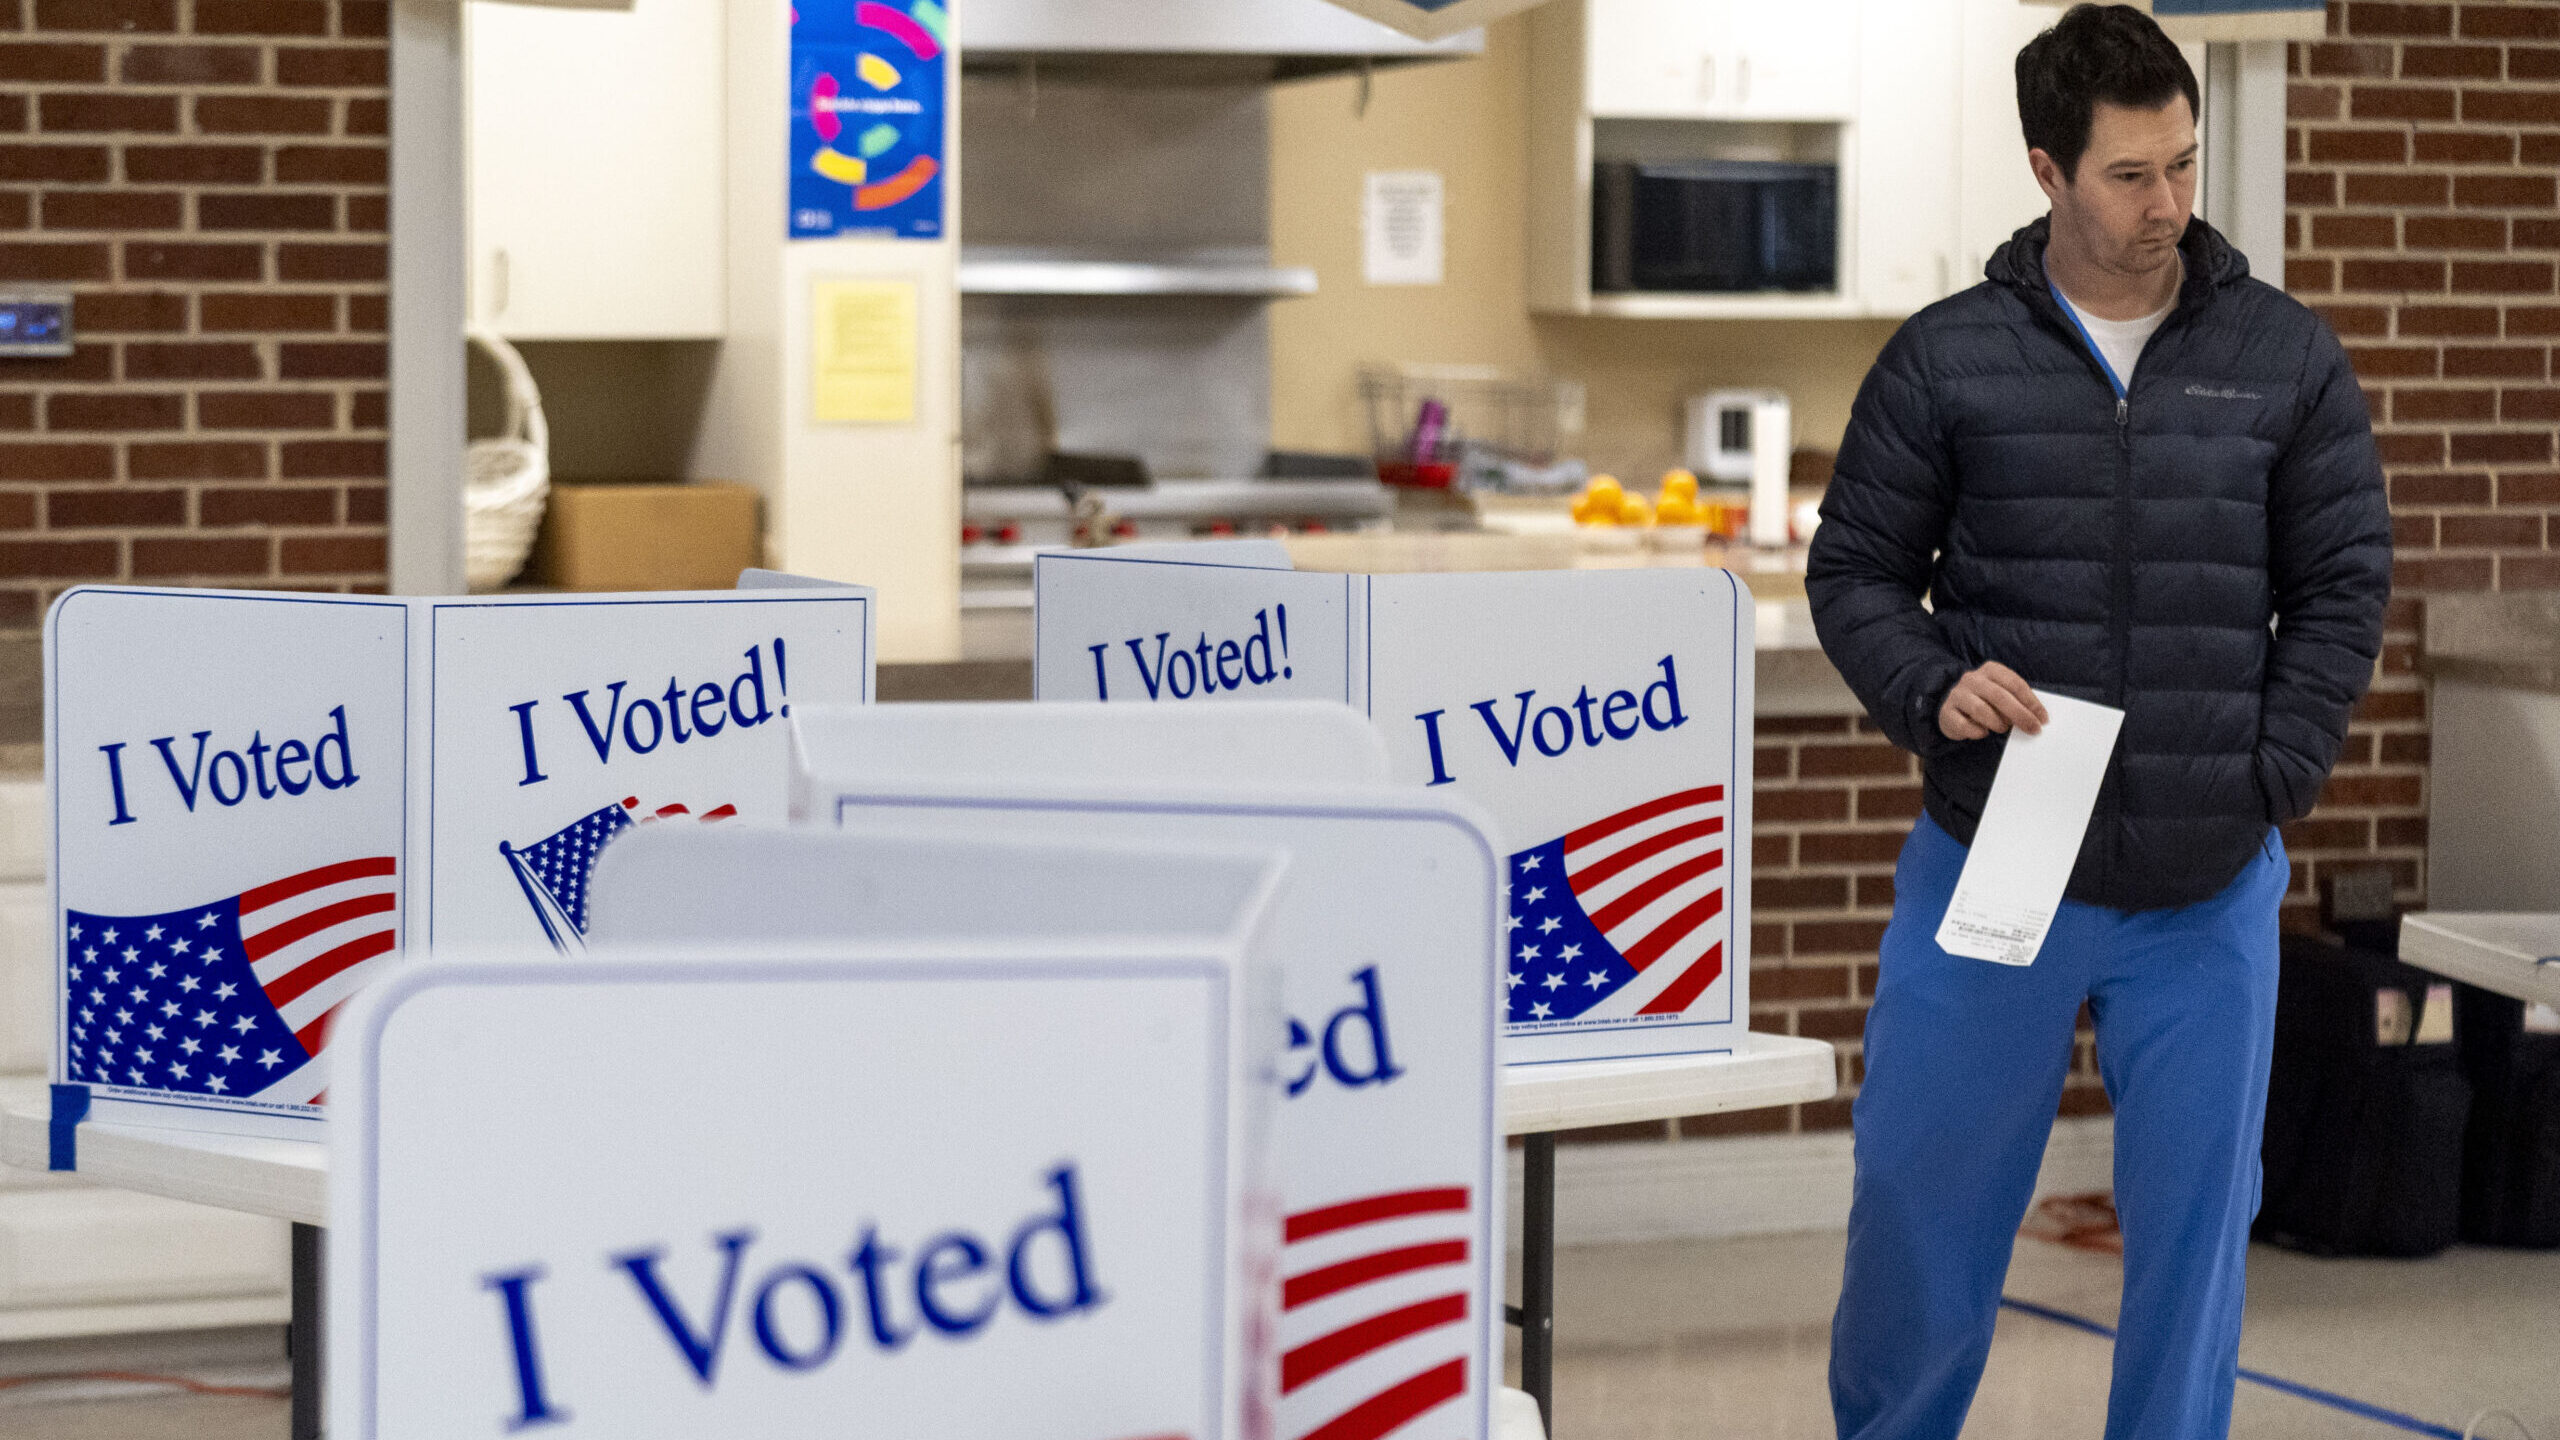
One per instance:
(2424, 215)
(208, 176)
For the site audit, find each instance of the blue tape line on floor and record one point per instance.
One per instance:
(70, 1107)
(2313, 1393)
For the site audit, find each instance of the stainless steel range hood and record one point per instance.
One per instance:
(1210, 39)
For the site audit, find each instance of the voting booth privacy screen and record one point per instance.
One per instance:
(1602, 719)
(259, 801)
(997, 1191)
(1386, 932)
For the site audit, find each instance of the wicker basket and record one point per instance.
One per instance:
(506, 479)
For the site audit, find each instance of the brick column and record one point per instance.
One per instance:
(208, 177)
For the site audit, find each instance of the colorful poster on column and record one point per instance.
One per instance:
(869, 87)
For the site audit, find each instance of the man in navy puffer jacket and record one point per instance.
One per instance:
(2120, 470)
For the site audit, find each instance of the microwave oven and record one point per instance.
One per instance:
(1714, 226)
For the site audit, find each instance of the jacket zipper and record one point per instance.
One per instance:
(2121, 627)
(2123, 605)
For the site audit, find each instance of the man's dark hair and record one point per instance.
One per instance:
(2110, 53)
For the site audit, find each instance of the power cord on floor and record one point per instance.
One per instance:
(2471, 1427)
(179, 1382)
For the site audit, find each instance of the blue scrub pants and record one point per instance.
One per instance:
(1965, 1061)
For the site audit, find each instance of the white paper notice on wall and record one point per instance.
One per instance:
(1402, 228)
(2029, 837)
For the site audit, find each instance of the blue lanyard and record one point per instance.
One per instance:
(2074, 317)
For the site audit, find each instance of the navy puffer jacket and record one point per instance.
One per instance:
(2130, 552)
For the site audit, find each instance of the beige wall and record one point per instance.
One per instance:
(1467, 119)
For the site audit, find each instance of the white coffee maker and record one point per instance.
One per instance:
(1747, 435)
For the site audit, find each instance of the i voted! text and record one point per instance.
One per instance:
(1205, 666)
(612, 722)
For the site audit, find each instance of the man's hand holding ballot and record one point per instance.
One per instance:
(2138, 492)
(1988, 700)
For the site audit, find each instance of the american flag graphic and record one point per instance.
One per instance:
(231, 998)
(1374, 1325)
(554, 871)
(1614, 921)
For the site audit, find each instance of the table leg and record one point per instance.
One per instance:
(1538, 1274)
(302, 1336)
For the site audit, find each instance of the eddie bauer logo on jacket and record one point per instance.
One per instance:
(2225, 393)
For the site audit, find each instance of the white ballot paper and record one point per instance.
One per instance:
(2030, 834)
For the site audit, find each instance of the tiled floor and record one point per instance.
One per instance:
(1732, 1338)
(1681, 1341)
(106, 1410)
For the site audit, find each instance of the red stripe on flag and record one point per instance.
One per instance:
(316, 1034)
(1298, 1290)
(1672, 931)
(309, 880)
(1610, 916)
(1327, 1353)
(1599, 871)
(302, 927)
(725, 812)
(302, 979)
(1693, 982)
(666, 811)
(1371, 1209)
(1604, 828)
(1394, 1406)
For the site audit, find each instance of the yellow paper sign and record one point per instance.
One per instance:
(863, 333)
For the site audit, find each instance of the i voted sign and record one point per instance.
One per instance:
(229, 778)
(259, 801)
(980, 1193)
(1162, 628)
(1602, 719)
(1386, 930)
(557, 723)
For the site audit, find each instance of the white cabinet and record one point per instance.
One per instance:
(1996, 192)
(1914, 100)
(1906, 144)
(1656, 57)
(1722, 59)
(1793, 61)
(595, 147)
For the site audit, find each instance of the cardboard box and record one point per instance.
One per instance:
(647, 536)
